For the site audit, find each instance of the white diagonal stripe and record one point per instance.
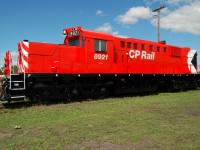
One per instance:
(24, 52)
(26, 43)
(190, 56)
(24, 63)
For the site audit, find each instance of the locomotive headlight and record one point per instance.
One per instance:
(65, 32)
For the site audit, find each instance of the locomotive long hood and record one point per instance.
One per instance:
(35, 48)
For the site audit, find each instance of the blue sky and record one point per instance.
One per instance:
(44, 20)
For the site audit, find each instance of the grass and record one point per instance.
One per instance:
(163, 121)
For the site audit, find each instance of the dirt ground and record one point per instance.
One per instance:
(94, 145)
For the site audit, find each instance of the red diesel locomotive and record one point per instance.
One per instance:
(95, 64)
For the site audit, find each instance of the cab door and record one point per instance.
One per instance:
(99, 56)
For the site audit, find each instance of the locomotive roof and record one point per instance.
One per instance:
(96, 34)
(76, 31)
(107, 36)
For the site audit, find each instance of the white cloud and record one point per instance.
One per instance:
(2, 59)
(133, 15)
(151, 2)
(1, 62)
(99, 13)
(14, 54)
(107, 28)
(169, 2)
(183, 19)
(176, 2)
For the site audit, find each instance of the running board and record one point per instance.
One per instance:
(18, 97)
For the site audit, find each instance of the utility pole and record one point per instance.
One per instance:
(158, 11)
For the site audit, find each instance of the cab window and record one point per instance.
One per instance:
(74, 41)
(100, 45)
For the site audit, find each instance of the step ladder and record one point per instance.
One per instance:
(17, 86)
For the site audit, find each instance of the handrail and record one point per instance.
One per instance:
(10, 67)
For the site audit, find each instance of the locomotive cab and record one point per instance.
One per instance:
(93, 50)
(73, 37)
